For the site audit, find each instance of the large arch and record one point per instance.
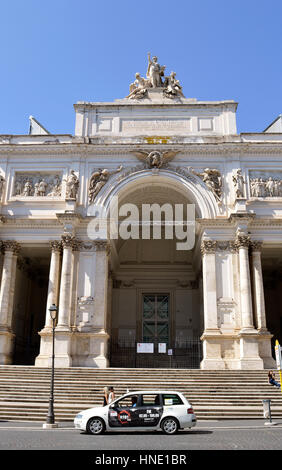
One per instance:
(146, 269)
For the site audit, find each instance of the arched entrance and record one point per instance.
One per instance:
(156, 309)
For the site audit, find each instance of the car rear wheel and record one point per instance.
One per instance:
(170, 426)
(95, 426)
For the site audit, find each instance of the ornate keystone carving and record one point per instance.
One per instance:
(155, 159)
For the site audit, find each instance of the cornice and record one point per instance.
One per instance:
(115, 146)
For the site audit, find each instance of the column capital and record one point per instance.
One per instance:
(242, 241)
(256, 246)
(102, 245)
(11, 245)
(56, 245)
(70, 241)
(208, 247)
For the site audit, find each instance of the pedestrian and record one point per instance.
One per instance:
(271, 379)
(106, 396)
(111, 396)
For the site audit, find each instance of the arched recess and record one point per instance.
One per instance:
(146, 272)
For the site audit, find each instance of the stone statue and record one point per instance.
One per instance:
(212, 179)
(98, 179)
(155, 78)
(72, 184)
(138, 89)
(27, 189)
(172, 86)
(154, 72)
(42, 186)
(239, 182)
(2, 182)
(36, 189)
(269, 186)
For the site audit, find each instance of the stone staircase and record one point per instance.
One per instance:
(24, 391)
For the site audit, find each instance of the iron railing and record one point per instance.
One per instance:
(185, 355)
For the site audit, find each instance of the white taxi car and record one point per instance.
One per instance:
(139, 411)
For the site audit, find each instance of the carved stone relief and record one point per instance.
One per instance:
(265, 184)
(98, 179)
(212, 179)
(37, 184)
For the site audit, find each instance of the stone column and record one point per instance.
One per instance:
(242, 243)
(258, 290)
(64, 334)
(248, 336)
(259, 305)
(66, 282)
(54, 280)
(211, 336)
(7, 299)
(100, 303)
(44, 357)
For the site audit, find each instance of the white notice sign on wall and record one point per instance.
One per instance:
(145, 347)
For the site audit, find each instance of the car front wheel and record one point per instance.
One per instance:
(170, 426)
(95, 426)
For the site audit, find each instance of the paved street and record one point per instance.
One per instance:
(207, 435)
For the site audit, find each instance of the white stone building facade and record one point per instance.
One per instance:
(111, 293)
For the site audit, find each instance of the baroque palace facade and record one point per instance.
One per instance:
(153, 147)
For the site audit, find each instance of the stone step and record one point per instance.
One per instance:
(24, 390)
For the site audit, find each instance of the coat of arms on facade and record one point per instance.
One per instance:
(155, 159)
(155, 78)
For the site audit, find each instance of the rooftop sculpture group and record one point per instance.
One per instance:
(155, 78)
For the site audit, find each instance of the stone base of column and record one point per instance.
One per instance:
(91, 349)
(249, 351)
(6, 347)
(62, 349)
(265, 351)
(212, 351)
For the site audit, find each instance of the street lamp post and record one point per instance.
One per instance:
(50, 419)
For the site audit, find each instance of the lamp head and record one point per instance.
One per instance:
(53, 311)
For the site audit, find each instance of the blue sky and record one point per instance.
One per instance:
(58, 52)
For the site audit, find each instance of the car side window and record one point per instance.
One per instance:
(150, 400)
(125, 402)
(170, 399)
